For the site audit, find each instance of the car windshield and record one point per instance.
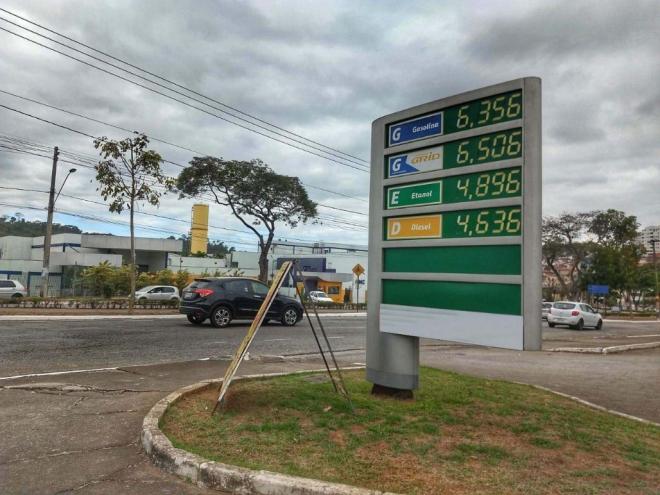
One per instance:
(320, 294)
(147, 288)
(564, 306)
(547, 305)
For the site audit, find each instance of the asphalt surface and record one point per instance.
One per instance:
(78, 432)
(60, 345)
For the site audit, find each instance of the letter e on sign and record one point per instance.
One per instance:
(395, 197)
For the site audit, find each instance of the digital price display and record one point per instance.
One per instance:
(456, 252)
(493, 184)
(505, 145)
(487, 222)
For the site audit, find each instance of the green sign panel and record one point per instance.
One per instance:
(493, 184)
(483, 112)
(493, 147)
(424, 193)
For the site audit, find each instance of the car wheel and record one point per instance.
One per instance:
(551, 325)
(175, 299)
(289, 317)
(580, 325)
(16, 296)
(142, 300)
(195, 319)
(599, 325)
(221, 317)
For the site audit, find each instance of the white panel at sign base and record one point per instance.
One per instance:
(467, 327)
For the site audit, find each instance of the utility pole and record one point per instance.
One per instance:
(655, 269)
(49, 227)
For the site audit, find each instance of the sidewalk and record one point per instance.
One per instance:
(80, 432)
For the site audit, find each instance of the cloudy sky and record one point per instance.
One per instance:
(326, 70)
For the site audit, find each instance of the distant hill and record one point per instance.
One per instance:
(18, 226)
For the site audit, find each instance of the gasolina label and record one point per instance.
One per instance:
(414, 129)
(415, 162)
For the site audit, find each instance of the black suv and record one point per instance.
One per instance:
(227, 298)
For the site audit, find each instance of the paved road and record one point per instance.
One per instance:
(60, 345)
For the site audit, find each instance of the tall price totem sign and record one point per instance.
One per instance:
(455, 238)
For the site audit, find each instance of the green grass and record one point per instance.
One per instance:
(459, 435)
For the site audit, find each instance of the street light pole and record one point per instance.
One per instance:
(43, 292)
(52, 198)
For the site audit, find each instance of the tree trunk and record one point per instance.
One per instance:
(131, 299)
(263, 266)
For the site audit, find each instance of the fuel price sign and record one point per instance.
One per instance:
(455, 214)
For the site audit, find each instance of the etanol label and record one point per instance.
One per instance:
(417, 227)
(414, 129)
(415, 162)
(426, 193)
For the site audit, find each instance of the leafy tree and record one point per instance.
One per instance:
(18, 226)
(128, 173)
(257, 196)
(99, 279)
(615, 254)
(182, 279)
(564, 243)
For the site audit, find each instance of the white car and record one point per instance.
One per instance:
(545, 309)
(157, 293)
(11, 289)
(576, 315)
(320, 297)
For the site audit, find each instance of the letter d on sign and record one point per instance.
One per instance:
(396, 228)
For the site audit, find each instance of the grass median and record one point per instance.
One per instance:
(460, 435)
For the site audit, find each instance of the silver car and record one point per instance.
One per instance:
(157, 293)
(576, 315)
(545, 310)
(11, 289)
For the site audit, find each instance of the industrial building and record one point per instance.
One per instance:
(326, 266)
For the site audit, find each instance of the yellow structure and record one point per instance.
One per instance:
(334, 290)
(199, 229)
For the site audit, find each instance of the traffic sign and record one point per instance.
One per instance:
(598, 290)
(462, 262)
(358, 269)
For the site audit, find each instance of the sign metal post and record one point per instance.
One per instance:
(455, 238)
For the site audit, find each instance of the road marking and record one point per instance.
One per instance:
(642, 336)
(335, 337)
(274, 340)
(55, 373)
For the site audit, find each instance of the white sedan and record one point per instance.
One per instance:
(576, 315)
(157, 293)
(320, 297)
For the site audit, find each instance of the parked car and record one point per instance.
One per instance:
(157, 293)
(11, 289)
(320, 297)
(574, 314)
(224, 299)
(545, 309)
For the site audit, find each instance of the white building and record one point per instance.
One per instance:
(647, 234)
(326, 266)
(21, 258)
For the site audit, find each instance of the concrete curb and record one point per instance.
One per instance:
(607, 350)
(592, 405)
(218, 476)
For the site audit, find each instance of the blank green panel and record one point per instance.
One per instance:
(492, 260)
(461, 296)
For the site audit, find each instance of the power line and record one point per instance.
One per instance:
(172, 82)
(330, 220)
(171, 97)
(163, 159)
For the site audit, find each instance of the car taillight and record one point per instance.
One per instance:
(575, 313)
(203, 292)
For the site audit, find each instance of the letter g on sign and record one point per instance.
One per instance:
(396, 134)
